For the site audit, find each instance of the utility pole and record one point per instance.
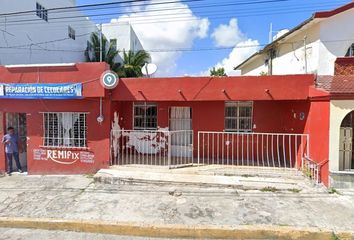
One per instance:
(101, 56)
(305, 53)
(271, 33)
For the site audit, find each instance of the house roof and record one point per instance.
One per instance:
(285, 87)
(336, 84)
(316, 16)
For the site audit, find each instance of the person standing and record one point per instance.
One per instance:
(11, 140)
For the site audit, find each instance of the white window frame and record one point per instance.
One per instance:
(145, 105)
(54, 132)
(238, 118)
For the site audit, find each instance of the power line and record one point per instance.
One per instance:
(151, 19)
(95, 5)
(152, 10)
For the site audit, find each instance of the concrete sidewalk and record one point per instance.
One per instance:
(80, 198)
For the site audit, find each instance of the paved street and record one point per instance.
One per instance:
(78, 197)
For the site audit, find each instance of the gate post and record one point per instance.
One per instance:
(169, 146)
(198, 149)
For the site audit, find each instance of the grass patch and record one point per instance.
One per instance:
(247, 175)
(90, 175)
(294, 190)
(333, 191)
(334, 236)
(269, 189)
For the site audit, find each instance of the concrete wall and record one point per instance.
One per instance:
(337, 35)
(26, 39)
(125, 35)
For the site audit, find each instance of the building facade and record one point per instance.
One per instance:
(311, 47)
(283, 121)
(42, 35)
(123, 37)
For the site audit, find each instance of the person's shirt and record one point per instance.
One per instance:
(12, 145)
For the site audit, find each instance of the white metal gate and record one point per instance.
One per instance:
(151, 147)
(181, 121)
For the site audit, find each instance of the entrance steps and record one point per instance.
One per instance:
(267, 180)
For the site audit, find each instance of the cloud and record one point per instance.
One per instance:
(228, 35)
(240, 53)
(165, 30)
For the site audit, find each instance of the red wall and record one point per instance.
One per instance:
(97, 135)
(317, 127)
(268, 116)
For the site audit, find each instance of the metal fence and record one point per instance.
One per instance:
(155, 147)
(252, 149)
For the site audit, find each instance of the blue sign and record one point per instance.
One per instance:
(41, 91)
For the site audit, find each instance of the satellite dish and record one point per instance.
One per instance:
(148, 69)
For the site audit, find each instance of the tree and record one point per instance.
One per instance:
(109, 51)
(218, 72)
(132, 63)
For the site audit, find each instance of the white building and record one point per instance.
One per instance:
(124, 37)
(325, 36)
(42, 35)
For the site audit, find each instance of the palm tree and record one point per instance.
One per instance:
(109, 51)
(132, 63)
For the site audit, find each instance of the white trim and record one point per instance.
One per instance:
(41, 65)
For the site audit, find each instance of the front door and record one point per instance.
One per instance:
(18, 122)
(345, 148)
(182, 135)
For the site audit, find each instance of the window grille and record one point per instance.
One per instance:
(145, 116)
(238, 116)
(65, 130)
(41, 12)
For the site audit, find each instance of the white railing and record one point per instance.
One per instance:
(312, 169)
(152, 147)
(278, 150)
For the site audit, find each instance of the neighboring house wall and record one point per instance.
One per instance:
(337, 35)
(125, 37)
(39, 41)
(326, 39)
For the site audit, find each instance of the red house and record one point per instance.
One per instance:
(266, 121)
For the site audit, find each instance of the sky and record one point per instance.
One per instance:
(211, 33)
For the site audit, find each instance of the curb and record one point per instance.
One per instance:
(173, 231)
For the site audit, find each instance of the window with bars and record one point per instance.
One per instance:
(145, 116)
(238, 116)
(41, 12)
(71, 33)
(350, 52)
(65, 130)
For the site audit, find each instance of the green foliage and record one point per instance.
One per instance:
(294, 190)
(332, 190)
(334, 236)
(109, 52)
(219, 72)
(132, 63)
(263, 73)
(269, 189)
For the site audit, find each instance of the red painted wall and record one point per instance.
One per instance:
(97, 135)
(317, 126)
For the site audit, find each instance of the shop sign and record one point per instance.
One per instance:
(41, 91)
(66, 157)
